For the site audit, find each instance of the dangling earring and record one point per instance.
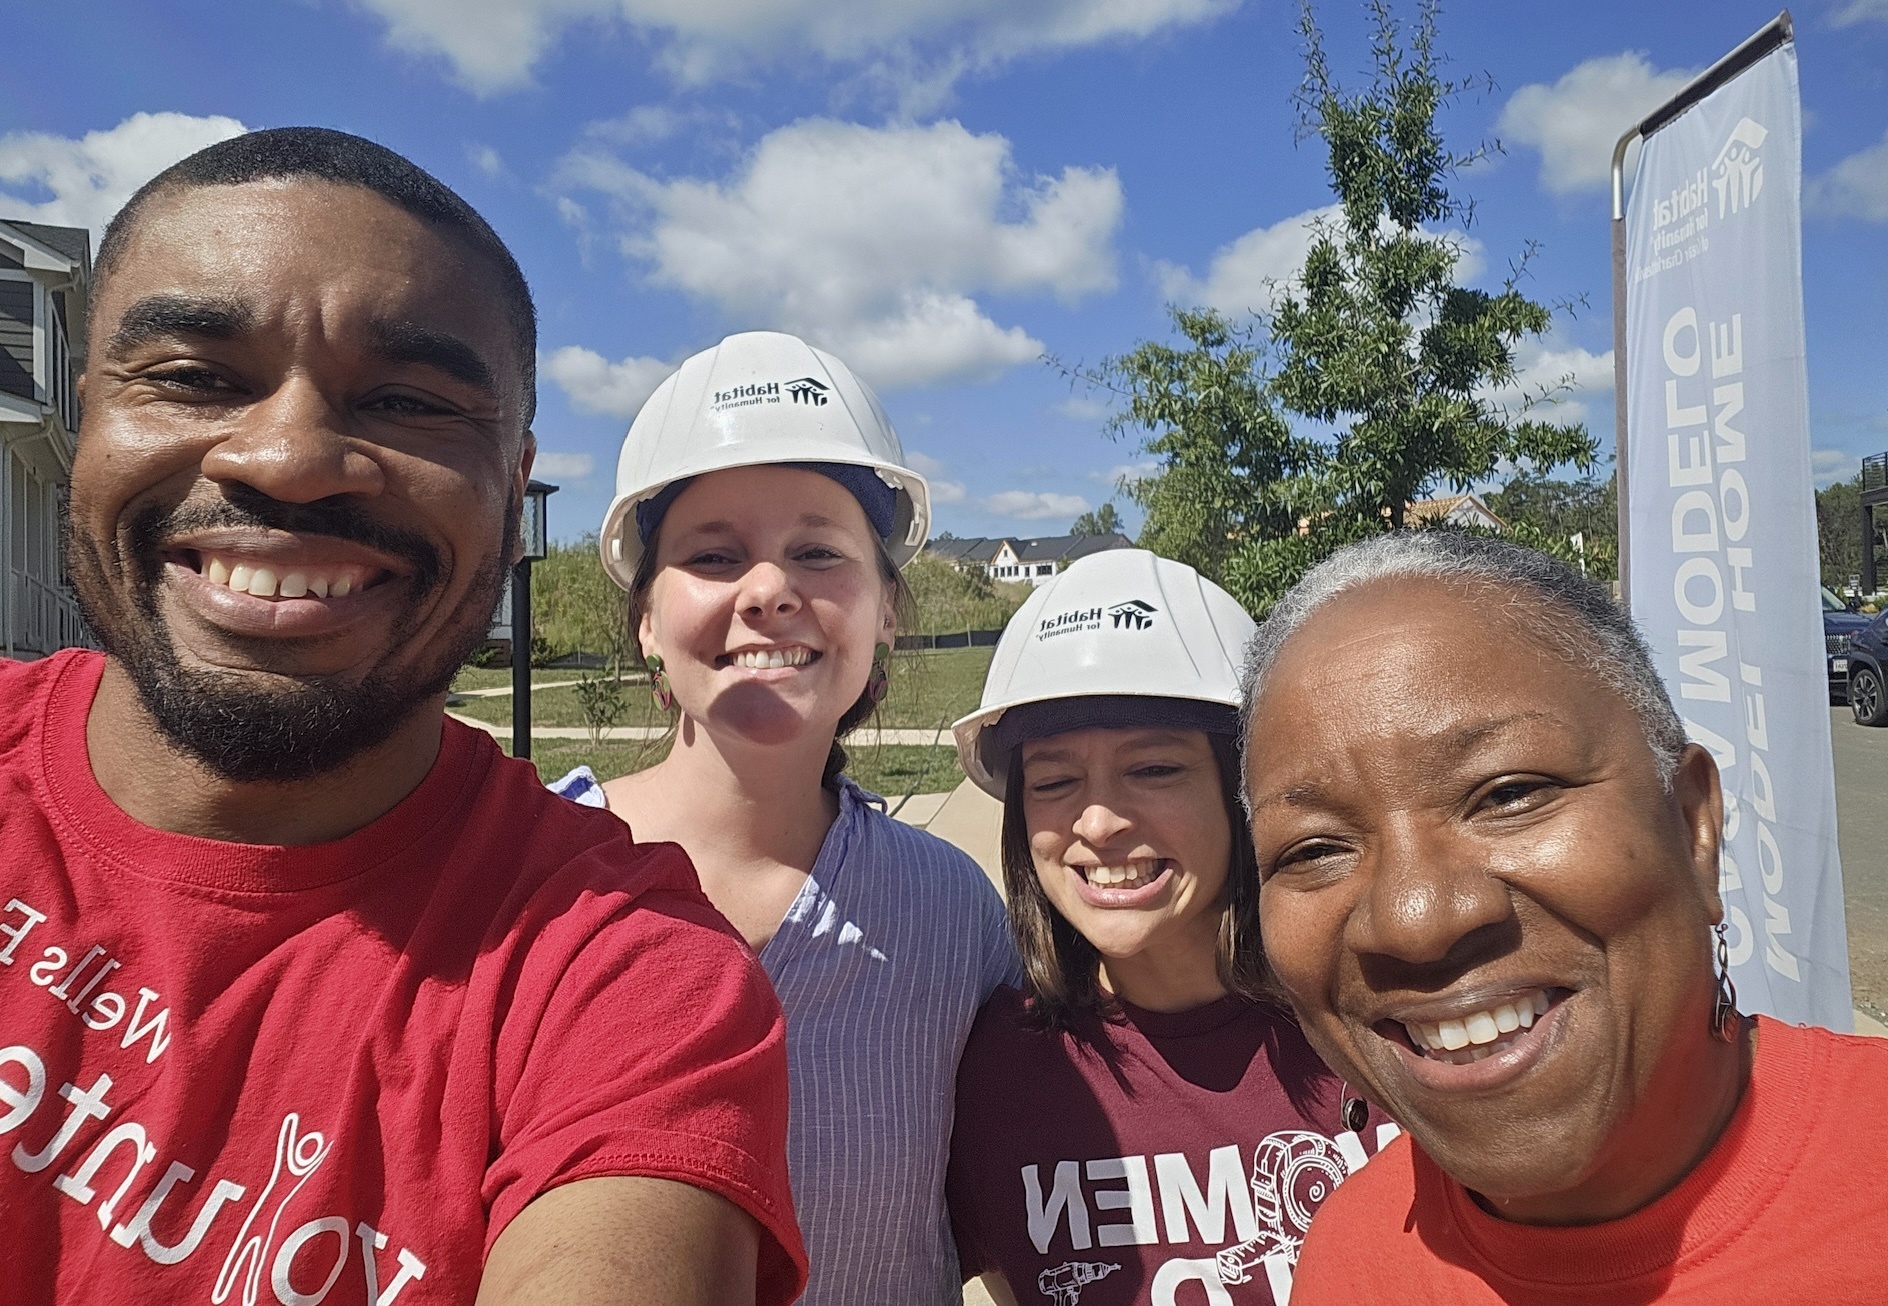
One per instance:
(1352, 1112)
(658, 685)
(880, 680)
(1725, 1022)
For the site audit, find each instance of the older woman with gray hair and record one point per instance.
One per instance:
(1491, 900)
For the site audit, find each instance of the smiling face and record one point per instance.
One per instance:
(1132, 845)
(1487, 911)
(301, 453)
(767, 603)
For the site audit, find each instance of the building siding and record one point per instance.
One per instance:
(16, 338)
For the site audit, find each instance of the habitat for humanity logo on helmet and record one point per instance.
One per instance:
(802, 390)
(1134, 614)
(807, 391)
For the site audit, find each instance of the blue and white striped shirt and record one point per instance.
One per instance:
(881, 964)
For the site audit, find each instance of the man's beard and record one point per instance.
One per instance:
(295, 728)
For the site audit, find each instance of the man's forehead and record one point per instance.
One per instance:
(299, 235)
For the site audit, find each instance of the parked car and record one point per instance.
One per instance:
(1868, 654)
(1840, 625)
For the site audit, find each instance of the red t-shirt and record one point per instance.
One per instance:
(1151, 1158)
(1791, 1205)
(232, 1073)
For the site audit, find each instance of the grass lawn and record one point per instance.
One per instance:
(934, 687)
(928, 689)
(893, 770)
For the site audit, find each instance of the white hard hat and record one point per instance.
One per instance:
(758, 397)
(1124, 623)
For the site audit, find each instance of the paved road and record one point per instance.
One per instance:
(1862, 824)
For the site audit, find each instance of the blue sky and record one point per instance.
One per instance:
(939, 190)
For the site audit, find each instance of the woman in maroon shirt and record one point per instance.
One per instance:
(1142, 1123)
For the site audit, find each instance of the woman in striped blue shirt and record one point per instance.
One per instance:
(763, 509)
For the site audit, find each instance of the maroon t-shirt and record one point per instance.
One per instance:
(1148, 1158)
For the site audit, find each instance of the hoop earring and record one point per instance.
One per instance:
(1352, 1112)
(880, 680)
(658, 684)
(1725, 1022)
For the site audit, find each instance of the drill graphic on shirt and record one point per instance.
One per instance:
(1063, 1285)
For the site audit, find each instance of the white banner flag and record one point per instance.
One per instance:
(1722, 529)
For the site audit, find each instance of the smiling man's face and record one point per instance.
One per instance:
(1487, 910)
(302, 454)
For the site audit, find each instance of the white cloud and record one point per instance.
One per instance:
(563, 466)
(1126, 474)
(1576, 122)
(1083, 410)
(942, 490)
(1827, 466)
(1032, 505)
(1544, 366)
(871, 241)
(1243, 274)
(89, 179)
(922, 45)
(1857, 187)
(485, 159)
(1246, 275)
(596, 385)
(1860, 11)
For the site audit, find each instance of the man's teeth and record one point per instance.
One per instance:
(769, 659)
(268, 583)
(1130, 875)
(1478, 1031)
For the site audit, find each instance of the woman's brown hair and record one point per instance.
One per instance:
(1062, 970)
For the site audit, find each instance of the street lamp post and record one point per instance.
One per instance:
(531, 526)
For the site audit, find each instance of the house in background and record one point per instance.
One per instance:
(1016, 560)
(45, 276)
(1454, 510)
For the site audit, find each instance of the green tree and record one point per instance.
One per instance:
(576, 607)
(1104, 520)
(951, 600)
(1374, 346)
(1225, 454)
(1547, 513)
(1839, 531)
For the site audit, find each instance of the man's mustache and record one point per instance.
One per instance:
(339, 517)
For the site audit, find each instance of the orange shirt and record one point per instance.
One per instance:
(1791, 1205)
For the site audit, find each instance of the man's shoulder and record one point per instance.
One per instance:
(568, 867)
(24, 687)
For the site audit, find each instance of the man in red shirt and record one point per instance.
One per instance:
(307, 994)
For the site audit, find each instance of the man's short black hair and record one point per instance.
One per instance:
(336, 156)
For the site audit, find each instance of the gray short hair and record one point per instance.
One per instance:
(1562, 609)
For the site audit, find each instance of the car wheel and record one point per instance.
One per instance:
(1866, 699)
